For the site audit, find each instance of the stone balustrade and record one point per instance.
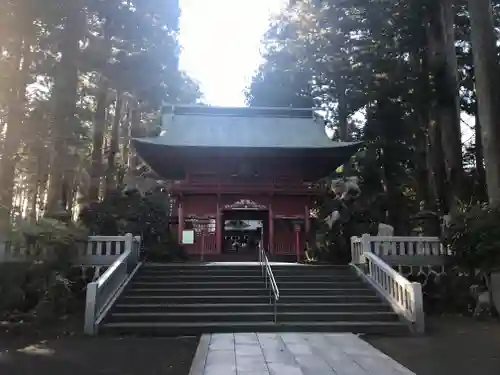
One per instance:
(400, 251)
(97, 251)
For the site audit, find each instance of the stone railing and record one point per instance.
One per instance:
(97, 251)
(404, 296)
(102, 293)
(393, 250)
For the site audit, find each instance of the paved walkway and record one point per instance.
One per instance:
(290, 354)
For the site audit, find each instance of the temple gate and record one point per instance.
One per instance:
(241, 166)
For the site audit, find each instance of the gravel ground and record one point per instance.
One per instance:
(48, 354)
(452, 346)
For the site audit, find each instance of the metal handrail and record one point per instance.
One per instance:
(267, 272)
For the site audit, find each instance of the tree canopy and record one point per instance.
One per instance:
(396, 74)
(78, 80)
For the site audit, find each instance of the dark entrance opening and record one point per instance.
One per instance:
(242, 231)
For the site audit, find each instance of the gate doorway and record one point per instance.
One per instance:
(243, 230)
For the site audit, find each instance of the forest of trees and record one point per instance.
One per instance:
(405, 77)
(78, 79)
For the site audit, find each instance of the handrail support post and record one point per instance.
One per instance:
(90, 309)
(419, 325)
(275, 311)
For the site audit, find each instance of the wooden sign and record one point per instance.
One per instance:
(245, 204)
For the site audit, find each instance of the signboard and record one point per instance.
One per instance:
(188, 237)
(245, 204)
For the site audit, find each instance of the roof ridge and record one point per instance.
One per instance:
(269, 112)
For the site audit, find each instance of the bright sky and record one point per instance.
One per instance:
(221, 44)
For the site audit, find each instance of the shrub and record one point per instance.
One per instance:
(473, 236)
(40, 288)
(130, 212)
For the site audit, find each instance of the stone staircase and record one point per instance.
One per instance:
(192, 299)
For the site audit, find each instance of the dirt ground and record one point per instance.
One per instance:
(49, 352)
(452, 346)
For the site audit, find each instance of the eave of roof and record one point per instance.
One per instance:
(172, 162)
(220, 127)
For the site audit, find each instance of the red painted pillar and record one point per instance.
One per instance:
(180, 215)
(307, 223)
(203, 230)
(271, 229)
(307, 227)
(218, 227)
(297, 241)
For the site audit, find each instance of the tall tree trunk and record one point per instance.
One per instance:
(35, 182)
(443, 62)
(22, 59)
(125, 133)
(481, 191)
(125, 143)
(343, 118)
(437, 168)
(96, 167)
(114, 144)
(343, 114)
(64, 98)
(135, 131)
(426, 195)
(98, 141)
(487, 82)
(34, 201)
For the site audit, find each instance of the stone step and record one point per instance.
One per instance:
(133, 291)
(176, 329)
(337, 290)
(238, 266)
(374, 306)
(232, 278)
(245, 299)
(207, 284)
(203, 271)
(232, 316)
(244, 284)
(284, 292)
(185, 299)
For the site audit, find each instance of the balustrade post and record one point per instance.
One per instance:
(137, 248)
(3, 251)
(129, 248)
(418, 305)
(354, 250)
(90, 309)
(365, 243)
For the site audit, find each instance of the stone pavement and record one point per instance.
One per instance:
(290, 354)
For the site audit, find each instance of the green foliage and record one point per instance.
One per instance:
(51, 236)
(37, 290)
(130, 212)
(367, 65)
(473, 235)
(41, 288)
(57, 57)
(357, 214)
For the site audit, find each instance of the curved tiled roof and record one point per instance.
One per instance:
(242, 128)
